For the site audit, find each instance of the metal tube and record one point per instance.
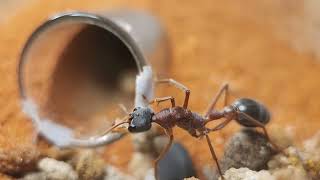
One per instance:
(77, 67)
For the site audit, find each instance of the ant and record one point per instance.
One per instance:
(247, 112)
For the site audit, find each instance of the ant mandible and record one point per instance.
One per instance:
(247, 112)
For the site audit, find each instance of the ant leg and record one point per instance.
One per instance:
(123, 108)
(162, 99)
(214, 156)
(179, 86)
(220, 126)
(163, 152)
(224, 88)
(261, 125)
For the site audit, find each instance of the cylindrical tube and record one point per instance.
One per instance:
(77, 67)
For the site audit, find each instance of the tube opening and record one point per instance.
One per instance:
(78, 74)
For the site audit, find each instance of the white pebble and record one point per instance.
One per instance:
(57, 170)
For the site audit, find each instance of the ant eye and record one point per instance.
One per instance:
(134, 109)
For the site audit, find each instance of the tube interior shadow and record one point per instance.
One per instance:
(93, 70)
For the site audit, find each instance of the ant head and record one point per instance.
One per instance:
(140, 119)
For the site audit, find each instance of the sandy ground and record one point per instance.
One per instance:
(265, 49)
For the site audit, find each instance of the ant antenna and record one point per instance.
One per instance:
(123, 108)
(125, 120)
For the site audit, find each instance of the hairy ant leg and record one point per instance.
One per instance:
(179, 86)
(262, 126)
(162, 99)
(213, 154)
(224, 89)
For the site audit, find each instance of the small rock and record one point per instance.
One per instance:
(19, 160)
(288, 165)
(35, 176)
(150, 175)
(112, 173)
(89, 165)
(209, 172)
(297, 163)
(291, 157)
(57, 170)
(247, 148)
(312, 145)
(311, 156)
(191, 178)
(282, 137)
(176, 164)
(291, 173)
(247, 174)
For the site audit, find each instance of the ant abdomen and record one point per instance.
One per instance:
(252, 108)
